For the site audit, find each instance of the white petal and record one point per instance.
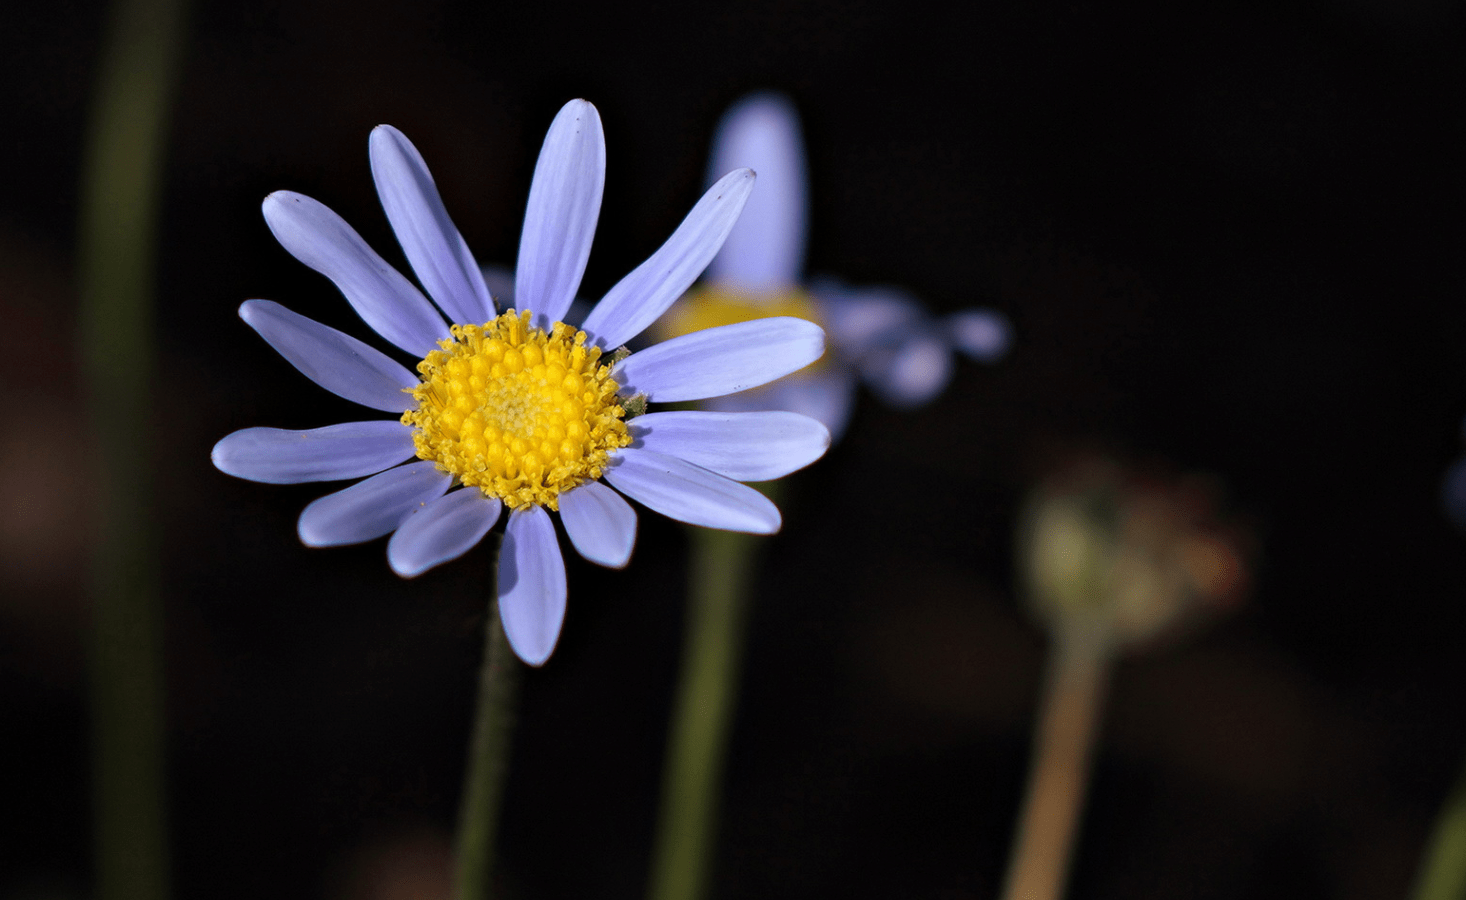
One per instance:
(752, 446)
(278, 456)
(371, 508)
(641, 297)
(531, 584)
(689, 493)
(560, 220)
(433, 246)
(911, 373)
(337, 362)
(445, 529)
(982, 334)
(826, 395)
(721, 360)
(600, 524)
(386, 300)
(765, 251)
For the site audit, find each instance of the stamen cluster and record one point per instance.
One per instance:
(520, 413)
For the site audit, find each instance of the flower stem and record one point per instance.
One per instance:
(488, 763)
(722, 564)
(1442, 873)
(1074, 690)
(120, 199)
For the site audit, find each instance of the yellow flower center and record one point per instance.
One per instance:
(713, 305)
(517, 412)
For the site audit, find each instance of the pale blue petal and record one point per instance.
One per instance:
(371, 508)
(912, 372)
(826, 395)
(560, 219)
(337, 362)
(445, 529)
(752, 446)
(279, 456)
(386, 300)
(721, 360)
(531, 584)
(765, 252)
(982, 334)
(689, 493)
(641, 297)
(860, 320)
(431, 241)
(599, 523)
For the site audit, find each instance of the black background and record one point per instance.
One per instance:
(1229, 240)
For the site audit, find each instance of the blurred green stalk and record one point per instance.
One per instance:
(692, 781)
(120, 194)
(1058, 776)
(1442, 873)
(488, 763)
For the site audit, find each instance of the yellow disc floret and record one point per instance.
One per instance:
(517, 412)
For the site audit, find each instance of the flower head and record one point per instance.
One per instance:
(881, 336)
(1127, 555)
(516, 409)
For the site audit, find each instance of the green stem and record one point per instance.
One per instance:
(120, 199)
(488, 763)
(722, 566)
(1074, 691)
(1442, 873)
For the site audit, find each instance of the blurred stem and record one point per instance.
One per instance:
(1074, 691)
(120, 199)
(488, 763)
(1442, 873)
(723, 564)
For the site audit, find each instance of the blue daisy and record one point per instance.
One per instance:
(514, 409)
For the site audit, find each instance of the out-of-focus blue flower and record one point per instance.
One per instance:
(882, 336)
(1453, 491)
(518, 409)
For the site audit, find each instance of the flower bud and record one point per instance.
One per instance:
(1107, 550)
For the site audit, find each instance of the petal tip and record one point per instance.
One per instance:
(217, 456)
(825, 438)
(405, 571)
(275, 199)
(530, 653)
(246, 309)
(307, 536)
(772, 525)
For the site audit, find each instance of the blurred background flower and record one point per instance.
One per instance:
(1110, 557)
(1130, 554)
(1190, 216)
(882, 336)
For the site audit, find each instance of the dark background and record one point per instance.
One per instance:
(1229, 240)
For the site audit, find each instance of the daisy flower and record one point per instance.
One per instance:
(881, 336)
(516, 409)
